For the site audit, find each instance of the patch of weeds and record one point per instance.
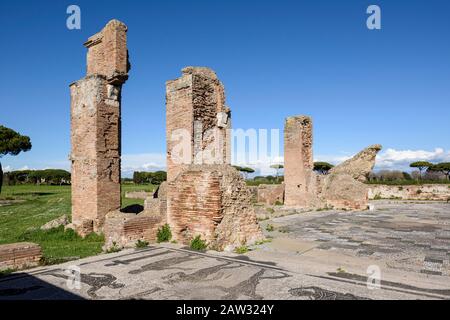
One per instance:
(278, 203)
(419, 191)
(258, 243)
(174, 241)
(270, 210)
(198, 244)
(113, 248)
(141, 244)
(341, 270)
(377, 197)
(400, 188)
(270, 228)
(4, 273)
(48, 261)
(164, 234)
(241, 249)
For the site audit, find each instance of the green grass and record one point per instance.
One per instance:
(198, 244)
(135, 187)
(241, 249)
(20, 221)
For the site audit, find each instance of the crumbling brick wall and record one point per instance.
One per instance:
(95, 129)
(125, 229)
(340, 189)
(205, 195)
(270, 193)
(195, 107)
(19, 255)
(212, 201)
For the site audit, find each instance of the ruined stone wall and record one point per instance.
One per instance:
(439, 192)
(96, 131)
(125, 229)
(271, 193)
(197, 116)
(299, 178)
(212, 201)
(19, 255)
(342, 188)
(360, 165)
(205, 195)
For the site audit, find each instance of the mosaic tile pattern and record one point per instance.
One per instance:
(412, 236)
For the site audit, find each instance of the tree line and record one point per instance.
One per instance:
(142, 177)
(47, 176)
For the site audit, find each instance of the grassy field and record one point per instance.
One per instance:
(24, 208)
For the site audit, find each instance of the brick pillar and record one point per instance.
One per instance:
(299, 177)
(95, 129)
(197, 120)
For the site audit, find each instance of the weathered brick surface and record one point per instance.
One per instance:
(107, 53)
(195, 105)
(212, 201)
(341, 188)
(299, 178)
(95, 130)
(205, 195)
(270, 193)
(19, 255)
(125, 229)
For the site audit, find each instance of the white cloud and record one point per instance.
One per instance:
(143, 162)
(393, 159)
(7, 169)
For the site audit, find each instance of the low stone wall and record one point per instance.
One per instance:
(270, 193)
(19, 255)
(138, 194)
(125, 229)
(411, 192)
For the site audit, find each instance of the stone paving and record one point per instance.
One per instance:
(317, 255)
(407, 235)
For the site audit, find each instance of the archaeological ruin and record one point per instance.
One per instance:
(342, 188)
(95, 129)
(204, 195)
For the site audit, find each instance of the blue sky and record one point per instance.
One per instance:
(275, 58)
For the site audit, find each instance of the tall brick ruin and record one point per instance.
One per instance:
(342, 188)
(197, 120)
(299, 178)
(206, 196)
(95, 129)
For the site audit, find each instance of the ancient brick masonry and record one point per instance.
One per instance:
(206, 196)
(95, 129)
(299, 178)
(19, 255)
(197, 119)
(342, 188)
